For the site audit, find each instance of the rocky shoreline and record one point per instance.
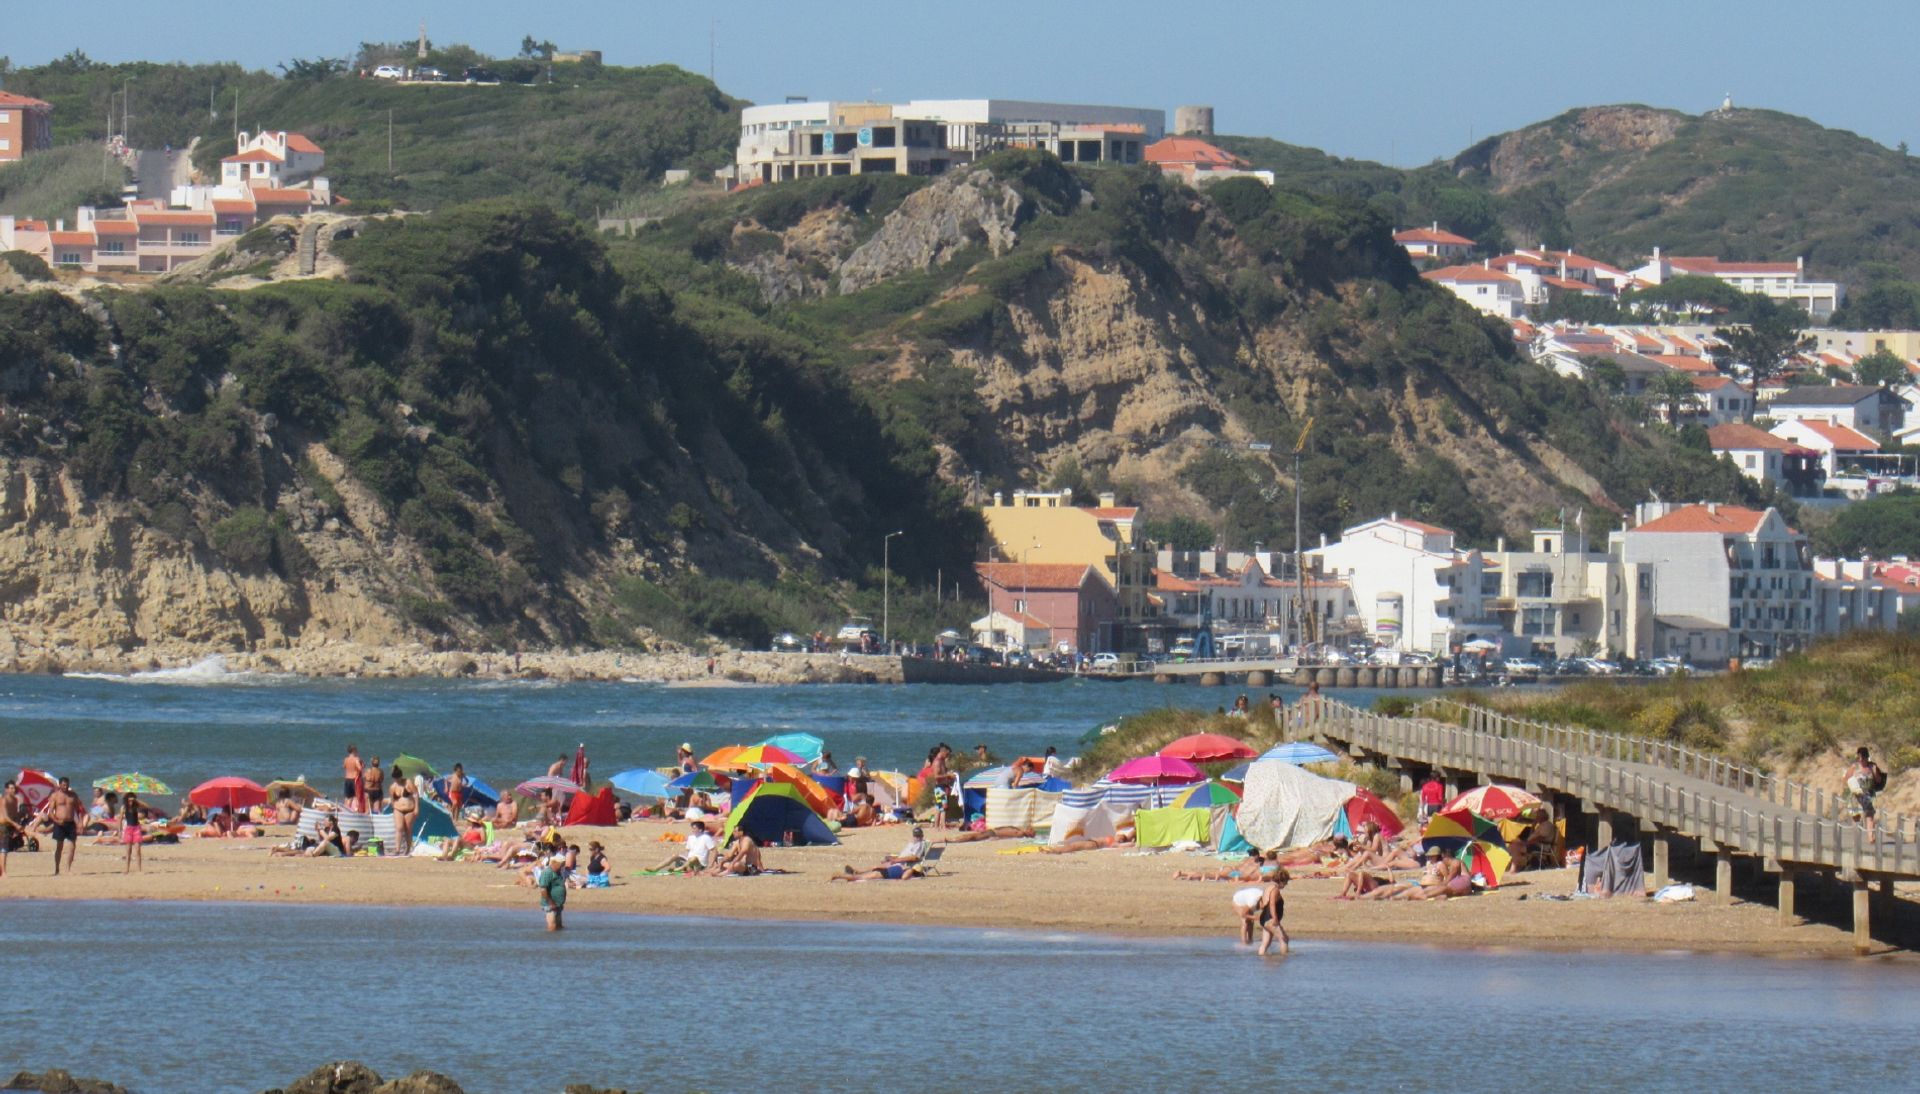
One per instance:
(340, 1077)
(345, 660)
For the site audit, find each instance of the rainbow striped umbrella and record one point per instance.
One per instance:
(1205, 796)
(761, 756)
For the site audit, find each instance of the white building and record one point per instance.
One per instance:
(1782, 281)
(1236, 592)
(1765, 458)
(1871, 410)
(783, 141)
(1411, 588)
(1564, 599)
(1727, 581)
(1718, 400)
(1835, 444)
(1488, 290)
(1433, 244)
(275, 159)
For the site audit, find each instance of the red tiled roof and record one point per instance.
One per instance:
(1712, 381)
(1124, 512)
(7, 98)
(1518, 259)
(221, 205)
(72, 239)
(1173, 583)
(1467, 273)
(1431, 235)
(1739, 435)
(265, 195)
(1683, 363)
(1034, 575)
(297, 142)
(115, 227)
(1719, 519)
(30, 225)
(1709, 265)
(1840, 436)
(1418, 526)
(258, 155)
(1178, 150)
(1570, 285)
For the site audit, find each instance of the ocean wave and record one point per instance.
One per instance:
(211, 669)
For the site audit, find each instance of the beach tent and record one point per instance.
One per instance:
(407, 767)
(1286, 806)
(836, 788)
(1026, 807)
(596, 809)
(1231, 842)
(434, 822)
(817, 797)
(771, 810)
(477, 792)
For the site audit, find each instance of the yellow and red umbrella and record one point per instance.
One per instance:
(1487, 861)
(1493, 802)
(761, 756)
(719, 757)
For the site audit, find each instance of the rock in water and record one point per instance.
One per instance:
(339, 1077)
(58, 1081)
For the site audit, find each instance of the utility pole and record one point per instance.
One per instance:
(389, 141)
(236, 117)
(886, 589)
(713, 34)
(1299, 558)
(126, 112)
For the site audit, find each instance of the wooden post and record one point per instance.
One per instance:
(1862, 917)
(1603, 838)
(1883, 902)
(1787, 879)
(1723, 874)
(1661, 874)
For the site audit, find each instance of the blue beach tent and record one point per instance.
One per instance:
(771, 810)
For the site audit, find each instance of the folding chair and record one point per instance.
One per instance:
(930, 862)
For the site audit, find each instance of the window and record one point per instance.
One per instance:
(187, 237)
(1019, 605)
(114, 247)
(69, 258)
(1750, 463)
(1615, 627)
(1535, 583)
(6, 117)
(1537, 621)
(1489, 584)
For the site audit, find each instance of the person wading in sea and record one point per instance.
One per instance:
(551, 881)
(13, 822)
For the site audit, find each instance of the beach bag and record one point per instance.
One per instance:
(1879, 778)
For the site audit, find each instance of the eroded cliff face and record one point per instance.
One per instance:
(89, 582)
(1620, 134)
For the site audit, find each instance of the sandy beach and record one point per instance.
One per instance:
(1109, 891)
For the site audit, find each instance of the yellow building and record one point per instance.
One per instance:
(1046, 527)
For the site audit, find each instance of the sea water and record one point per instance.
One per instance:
(172, 998)
(185, 726)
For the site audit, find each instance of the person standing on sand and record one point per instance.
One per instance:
(132, 834)
(63, 814)
(551, 881)
(456, 790)
(13, 822)
(406, 807)
(1432, 796)
(372, 782)
(350, 773)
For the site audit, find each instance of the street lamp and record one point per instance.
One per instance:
(886, 588)
(1021, 607)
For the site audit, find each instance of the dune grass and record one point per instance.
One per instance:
(49, 185)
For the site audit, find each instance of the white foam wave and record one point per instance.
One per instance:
(211, 669)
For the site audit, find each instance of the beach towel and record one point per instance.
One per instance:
(1286, 806)
(1171, 825)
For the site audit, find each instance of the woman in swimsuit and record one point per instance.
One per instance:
(406, 806)
(132, 834)
(371, 781)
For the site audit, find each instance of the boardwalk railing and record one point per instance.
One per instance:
(1603, 770)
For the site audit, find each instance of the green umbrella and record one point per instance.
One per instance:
(407, 767)
(132, 783)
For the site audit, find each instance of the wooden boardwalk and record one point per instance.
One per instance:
(1729, 809)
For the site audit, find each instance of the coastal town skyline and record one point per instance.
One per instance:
(1363, 81)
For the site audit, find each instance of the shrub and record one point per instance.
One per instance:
(30, 267)
(244, 539)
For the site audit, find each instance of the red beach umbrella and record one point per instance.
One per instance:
(1493, 802)
(1207, 748)
(229, 792)
(1155, 771)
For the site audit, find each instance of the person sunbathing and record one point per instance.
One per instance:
(506, 813)
(1443, 878)
(898, 871)
(1248, 870)
(1315, 854)
(1076, 844)
(1005, 831)
(286, 810)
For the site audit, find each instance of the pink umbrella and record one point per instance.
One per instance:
(1155, 771)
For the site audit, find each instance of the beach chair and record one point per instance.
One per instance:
(930, 862)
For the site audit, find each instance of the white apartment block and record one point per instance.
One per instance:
(1411, 588)
(1486, 289)
(783, 141)
(1783, 281)
(1728, 582)
(1563, 599)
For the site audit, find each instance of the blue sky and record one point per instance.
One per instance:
(1400, 82)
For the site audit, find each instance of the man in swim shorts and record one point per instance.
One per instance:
(63, 815)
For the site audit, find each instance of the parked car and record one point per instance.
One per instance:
(474, 74)
(1521, 666)
(788, 643)
(1597, 667)
(1668, 666)
(389, 72)
(1104, 662)
(429, 73)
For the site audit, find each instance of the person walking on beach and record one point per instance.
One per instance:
(132, 834)
(63, 817)
(1864, 780)
(1432, 795)
(13, 822)
(350, 775)
(551, 881)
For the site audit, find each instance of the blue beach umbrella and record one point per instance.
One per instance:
(1299, 752)
(804, 745)
(1235, 774)
(642, 782)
